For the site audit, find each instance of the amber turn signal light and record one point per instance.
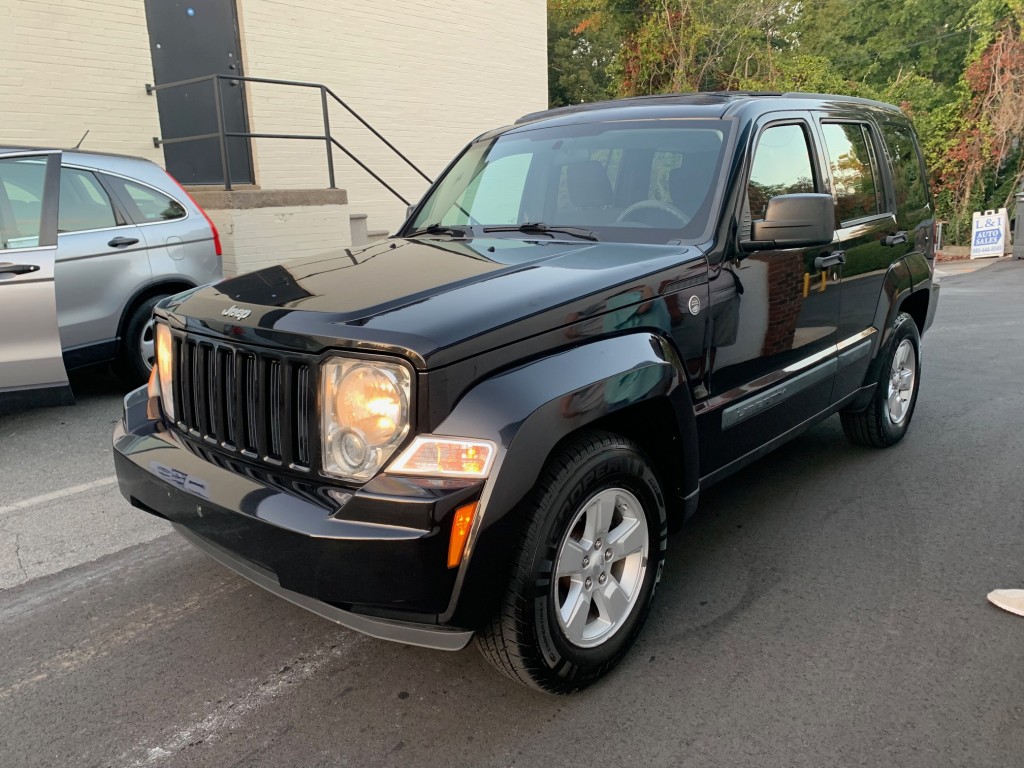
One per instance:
(460, 532)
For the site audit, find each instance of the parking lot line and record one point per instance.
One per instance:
(35, 501)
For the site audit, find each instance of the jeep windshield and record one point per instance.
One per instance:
(638, 181)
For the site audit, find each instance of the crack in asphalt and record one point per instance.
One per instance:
(17, 555)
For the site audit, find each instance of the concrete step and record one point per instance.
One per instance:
(361, 233)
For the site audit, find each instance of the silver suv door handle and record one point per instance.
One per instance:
(18, 269)
(123, 242)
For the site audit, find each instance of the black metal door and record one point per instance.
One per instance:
(189, 39)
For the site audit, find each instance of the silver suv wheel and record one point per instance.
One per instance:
(147, 344)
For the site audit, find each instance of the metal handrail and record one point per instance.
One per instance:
(328, 139)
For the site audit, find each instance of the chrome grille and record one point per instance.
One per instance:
(253, 403)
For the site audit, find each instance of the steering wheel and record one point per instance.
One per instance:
(654, 205)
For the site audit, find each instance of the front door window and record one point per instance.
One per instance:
(22, 181)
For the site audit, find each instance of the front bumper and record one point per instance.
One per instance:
(347, 561)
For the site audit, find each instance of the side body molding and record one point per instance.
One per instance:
(529, 409)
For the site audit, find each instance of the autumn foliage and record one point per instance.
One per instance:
(955, 66)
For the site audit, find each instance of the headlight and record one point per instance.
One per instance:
(364, 415)
(164, 368)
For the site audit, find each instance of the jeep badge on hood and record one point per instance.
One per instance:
(236, 312)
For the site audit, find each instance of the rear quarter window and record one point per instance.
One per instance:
(145, 205)
(908, 175)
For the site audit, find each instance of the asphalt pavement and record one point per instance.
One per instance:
(826, 607)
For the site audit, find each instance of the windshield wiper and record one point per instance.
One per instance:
(543, 229)
(441, 229)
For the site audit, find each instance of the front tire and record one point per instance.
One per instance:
(887, 418)
(587, 565)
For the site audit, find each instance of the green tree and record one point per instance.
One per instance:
(701, 45)
(584, 38)
(878, 43)
(955, 66)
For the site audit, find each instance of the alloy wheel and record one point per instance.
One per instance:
(147, 344)
(600, 567)
(902, 379)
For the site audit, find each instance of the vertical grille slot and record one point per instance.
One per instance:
(176, 376)
(187, 415)
(195, 387)
(250, 397)
(213, 423)
(301, 416)
(201, 388)
(274, 408)
(227, 397)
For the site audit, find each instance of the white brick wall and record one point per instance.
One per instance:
(428, 74)
(67, 66)
(254, 238)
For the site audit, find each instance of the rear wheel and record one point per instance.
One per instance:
(137, 353)
(587, 565)
(886, 420)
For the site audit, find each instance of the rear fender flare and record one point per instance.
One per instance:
(897, 286)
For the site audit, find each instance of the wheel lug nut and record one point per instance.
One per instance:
(586, 561)
(607, 554)
(589, 582)
(597, 544)
(602, 579)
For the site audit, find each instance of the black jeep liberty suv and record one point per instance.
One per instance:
(486, 424)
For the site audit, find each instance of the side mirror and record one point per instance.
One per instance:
(794, 221)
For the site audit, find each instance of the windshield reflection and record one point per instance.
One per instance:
(645, 181)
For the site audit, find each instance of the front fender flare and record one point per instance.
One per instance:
(527, 411)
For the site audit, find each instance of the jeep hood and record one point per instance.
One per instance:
(432, 300)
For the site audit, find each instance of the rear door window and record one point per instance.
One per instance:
(84, 204)
(854, 166)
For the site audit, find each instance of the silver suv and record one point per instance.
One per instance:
(89, 243)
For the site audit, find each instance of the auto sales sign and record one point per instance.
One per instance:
(990, 234)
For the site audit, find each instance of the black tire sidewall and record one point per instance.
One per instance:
(611, 467)
(904, 328)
